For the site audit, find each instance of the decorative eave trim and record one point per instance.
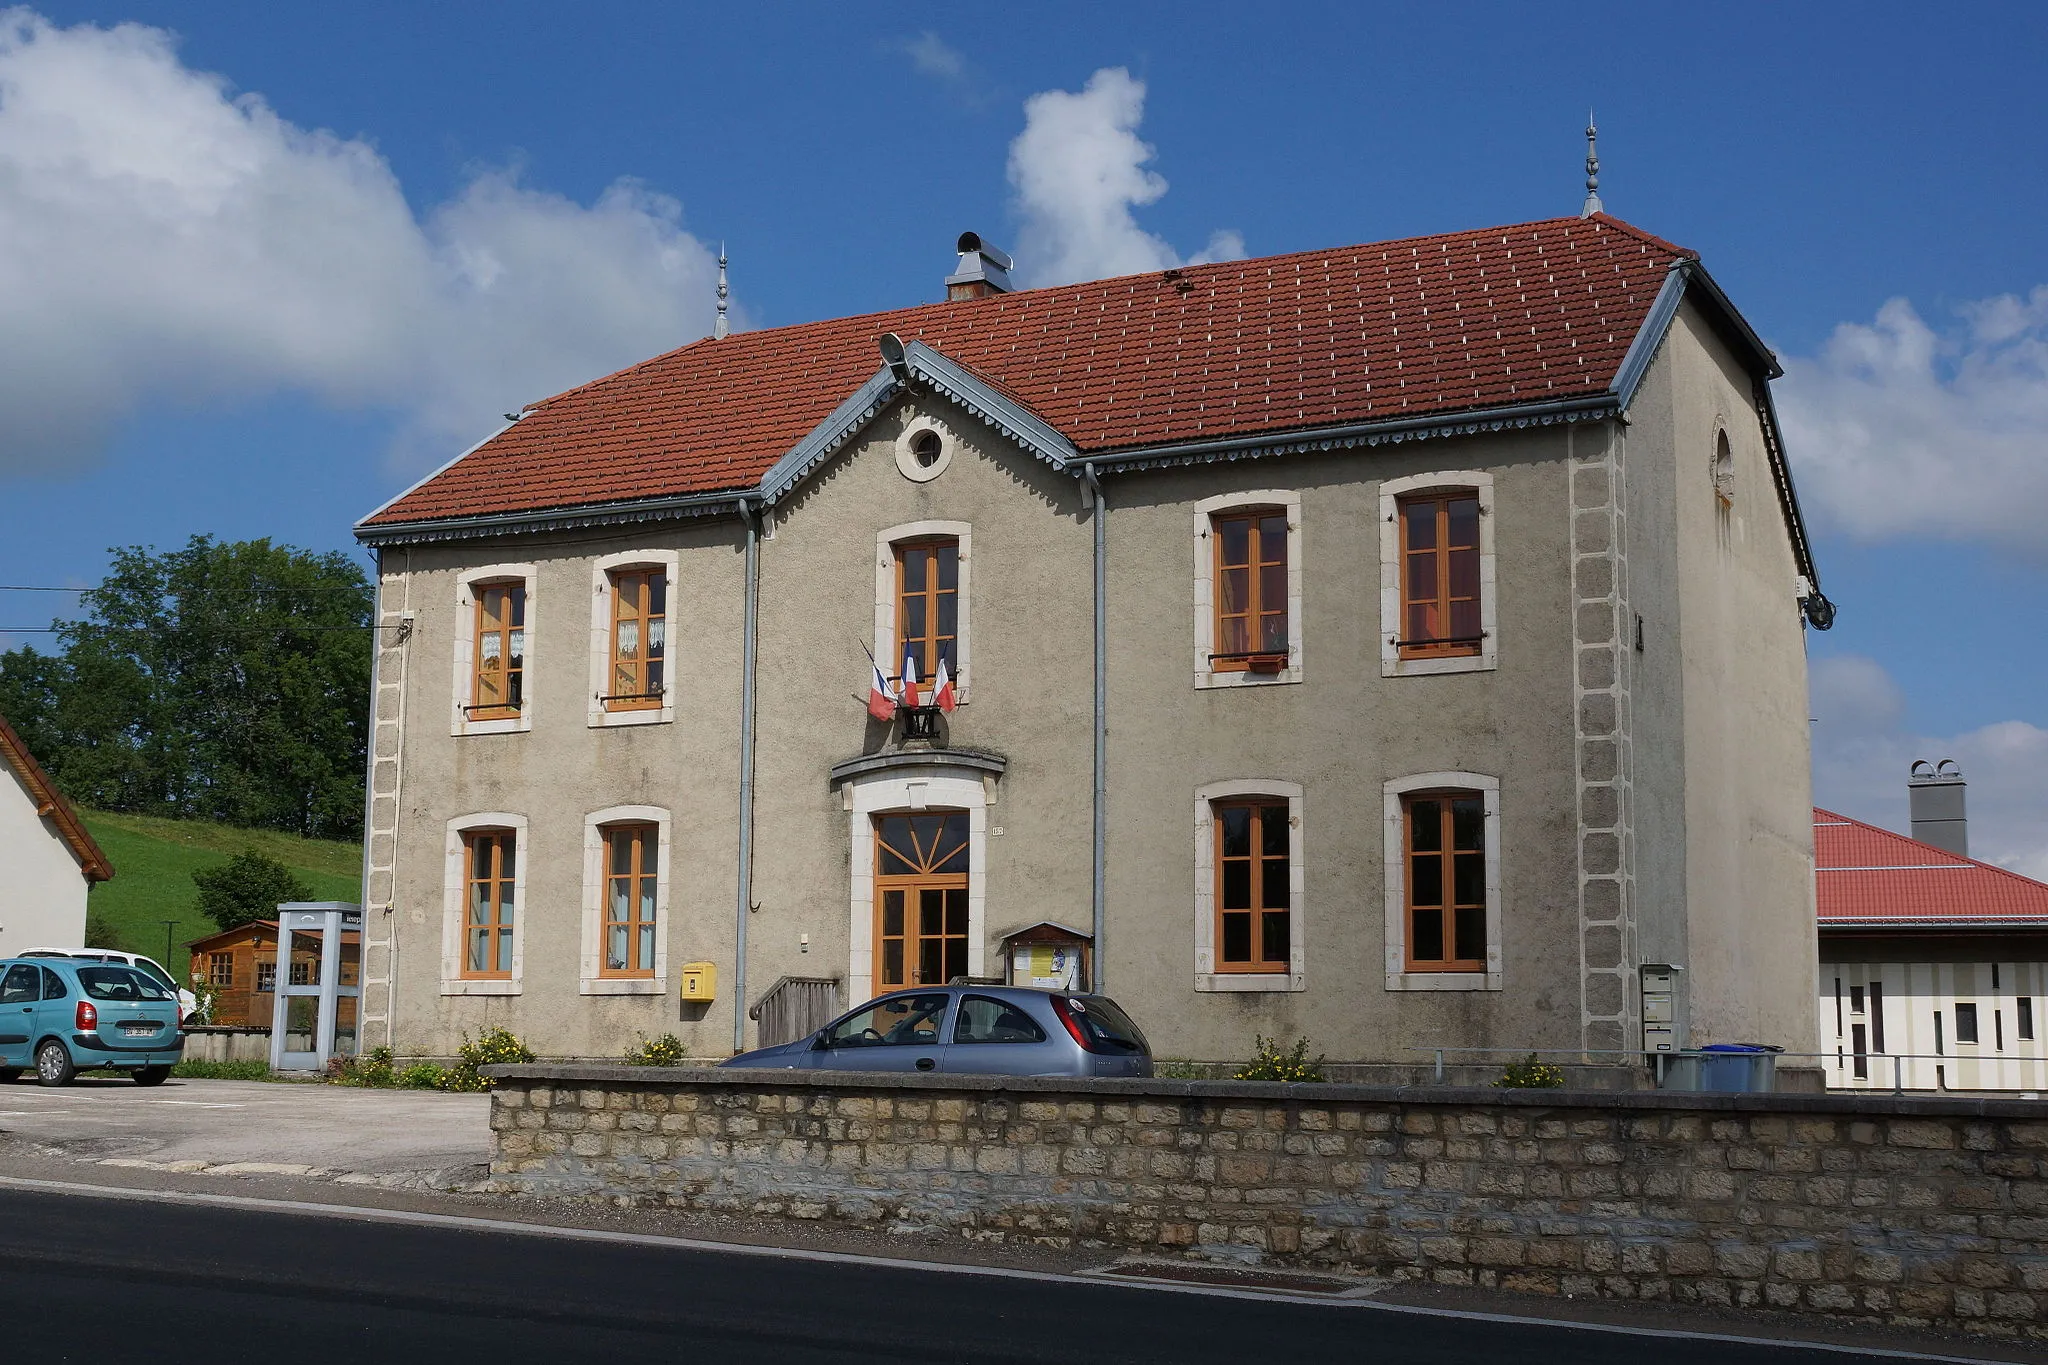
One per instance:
(1975, 923)
(976, 760)
(845, 422)
(1009, 417)
(1478, 421)
(554, 519)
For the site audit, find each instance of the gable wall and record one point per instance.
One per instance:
(42, 893)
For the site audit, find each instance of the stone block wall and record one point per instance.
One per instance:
(1914, 1212)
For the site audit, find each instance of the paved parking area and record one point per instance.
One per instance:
(260, 1127)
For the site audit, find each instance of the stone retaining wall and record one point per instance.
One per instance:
(223, 1043)
(1912, 1211)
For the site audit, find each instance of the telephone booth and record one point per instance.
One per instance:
(319, 973)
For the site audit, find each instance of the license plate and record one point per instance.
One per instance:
(138, 1030)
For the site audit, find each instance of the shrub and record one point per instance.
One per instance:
(1269, 1063)
(497, 1047)
(667, 1050)
(101, 933)
(1530, 1075)
(222, 1071)
(423, 1076)
(247, 887)
(373, 1069)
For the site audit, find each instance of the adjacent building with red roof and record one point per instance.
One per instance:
(1395, 643)
(1933, 964)
(48, 859)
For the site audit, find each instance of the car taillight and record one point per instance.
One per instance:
(88, 1017)
(1064, 1008)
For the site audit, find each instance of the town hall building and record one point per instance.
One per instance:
(1399, 645)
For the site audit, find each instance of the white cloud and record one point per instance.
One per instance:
(1079, 170)
(1862, 748)
(1902, 430)
(162, 237)
(934, 56)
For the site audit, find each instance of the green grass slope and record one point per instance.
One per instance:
(153, 865)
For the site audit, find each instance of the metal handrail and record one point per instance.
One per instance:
(1898, 1059)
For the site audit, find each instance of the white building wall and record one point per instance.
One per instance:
(42, 892)
(1905, 1017)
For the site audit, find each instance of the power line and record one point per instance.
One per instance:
(210, 592)
(162, 630)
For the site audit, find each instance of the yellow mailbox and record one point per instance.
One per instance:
(700, 982)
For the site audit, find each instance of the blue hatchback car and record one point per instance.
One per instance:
(63, 1017)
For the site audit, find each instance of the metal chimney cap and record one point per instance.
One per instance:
(1923, 772)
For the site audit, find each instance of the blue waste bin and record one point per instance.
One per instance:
(1739, 1067)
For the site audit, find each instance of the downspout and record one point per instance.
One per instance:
(1099, 514)
(752, 517)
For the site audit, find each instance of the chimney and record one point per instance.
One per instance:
(983, 270)
(1936, 793)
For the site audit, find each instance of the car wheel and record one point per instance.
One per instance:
(152, 1075)
(53, 1064)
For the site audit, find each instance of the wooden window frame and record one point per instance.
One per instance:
(931, 645)
(1399, 656)
(1402, 974)
(648, 576)
(220, 970)
(496, 927)
(514, 678)
(1445, 855)
(1262, 809)
(645, 890)
(1438, 596)
(1256, 609)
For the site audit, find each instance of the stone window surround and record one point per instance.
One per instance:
(886, 652)
(594, 981)
(452, 980)
(897, 789)
(465, 650)
(1399, 978)
(1392, 665)
(1205, 587)
(906, 458)
(601, 572)
(1207, 978)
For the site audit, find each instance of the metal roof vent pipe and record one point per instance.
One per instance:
(983, 270)
(1936, 793)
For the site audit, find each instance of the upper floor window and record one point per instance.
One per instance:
(1446, 881)
(639, 639)
(499, 689)
(1251, 591)
(490, 865)
(1437, 610)
(1440, 575)
(928, 605)
(1254, 887)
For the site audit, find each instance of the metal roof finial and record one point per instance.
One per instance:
(721, 328)
(1593, 204)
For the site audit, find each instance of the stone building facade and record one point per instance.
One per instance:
(1395, 645)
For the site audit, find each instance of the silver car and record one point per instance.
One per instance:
(990, 1030)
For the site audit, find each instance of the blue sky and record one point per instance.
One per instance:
(437, 213)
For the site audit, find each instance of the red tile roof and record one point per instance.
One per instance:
(1428, 325)
(1870, 877)
(51, 805)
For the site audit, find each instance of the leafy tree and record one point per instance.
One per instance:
(225, 681)
(247, 887)
(101, 933)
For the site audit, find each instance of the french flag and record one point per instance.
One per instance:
(881, 700)
(942, 687)
(909, 678)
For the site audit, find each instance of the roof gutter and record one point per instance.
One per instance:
(553, 518)
(1922, 924)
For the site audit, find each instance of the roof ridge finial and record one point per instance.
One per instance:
(1593, 204)
(721, 328)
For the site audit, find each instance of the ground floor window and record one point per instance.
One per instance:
(489, 910)
(632, 864)
(1254, 896)
(1446, 878)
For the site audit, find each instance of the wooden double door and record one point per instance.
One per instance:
(921, 922)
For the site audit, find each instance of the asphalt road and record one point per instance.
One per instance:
(89, 1278)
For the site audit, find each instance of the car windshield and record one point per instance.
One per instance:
(902, 1020)
(1107, 1026)
(119, 983)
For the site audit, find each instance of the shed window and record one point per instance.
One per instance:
(220, 969)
